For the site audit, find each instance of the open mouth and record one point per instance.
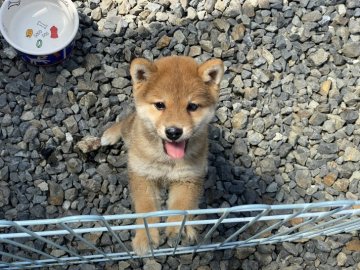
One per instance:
(175, 150)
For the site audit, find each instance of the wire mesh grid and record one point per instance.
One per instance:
(92, 239)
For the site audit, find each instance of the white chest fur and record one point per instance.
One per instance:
(172, 171)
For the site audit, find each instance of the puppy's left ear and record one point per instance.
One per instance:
(141, 70)
(212, 71)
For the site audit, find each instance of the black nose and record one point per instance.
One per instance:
(173, 133)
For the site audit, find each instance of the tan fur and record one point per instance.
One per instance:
(175, 81)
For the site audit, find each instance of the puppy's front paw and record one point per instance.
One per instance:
(140, 242)
(110, 137)
(189, 234)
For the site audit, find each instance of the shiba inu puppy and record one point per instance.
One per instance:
(166, 137)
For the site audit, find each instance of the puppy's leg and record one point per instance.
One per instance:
(112, 135)
(120, 129)
(145, 195)
(183, 196)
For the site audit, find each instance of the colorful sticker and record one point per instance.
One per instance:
(39, 43)
(54, 32)
(13, 3)
(29, 33)
(41, 24)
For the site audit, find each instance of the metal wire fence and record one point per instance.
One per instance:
(92, 239)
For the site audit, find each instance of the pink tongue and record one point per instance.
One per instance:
(175, 149)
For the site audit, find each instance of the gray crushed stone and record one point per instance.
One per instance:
(287, 127)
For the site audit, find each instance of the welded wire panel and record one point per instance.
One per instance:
(92, 239)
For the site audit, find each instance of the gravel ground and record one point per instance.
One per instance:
(287, 128)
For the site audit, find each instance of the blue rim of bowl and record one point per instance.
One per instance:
(72, 36)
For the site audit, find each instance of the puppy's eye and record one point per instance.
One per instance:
(192, 107)
(160, 106)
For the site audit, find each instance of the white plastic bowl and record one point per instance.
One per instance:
(42, 31)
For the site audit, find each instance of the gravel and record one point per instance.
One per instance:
(287, 127)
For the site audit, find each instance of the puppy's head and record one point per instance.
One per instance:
(176, 97)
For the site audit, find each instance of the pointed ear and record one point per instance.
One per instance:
(211, 71)
(141, 69)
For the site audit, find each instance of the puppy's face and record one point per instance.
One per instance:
(176, 97)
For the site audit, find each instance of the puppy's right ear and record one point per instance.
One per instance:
(141, 70)
(212, 71)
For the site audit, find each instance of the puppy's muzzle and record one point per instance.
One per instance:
(173, 133)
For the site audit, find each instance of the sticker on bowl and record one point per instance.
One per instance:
(38, 33)
(29, 33)
(41, 24)
(38, 60)
(39, 43)
(13, 3)
(54, 32)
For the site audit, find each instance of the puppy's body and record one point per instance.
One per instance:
(166, 137)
